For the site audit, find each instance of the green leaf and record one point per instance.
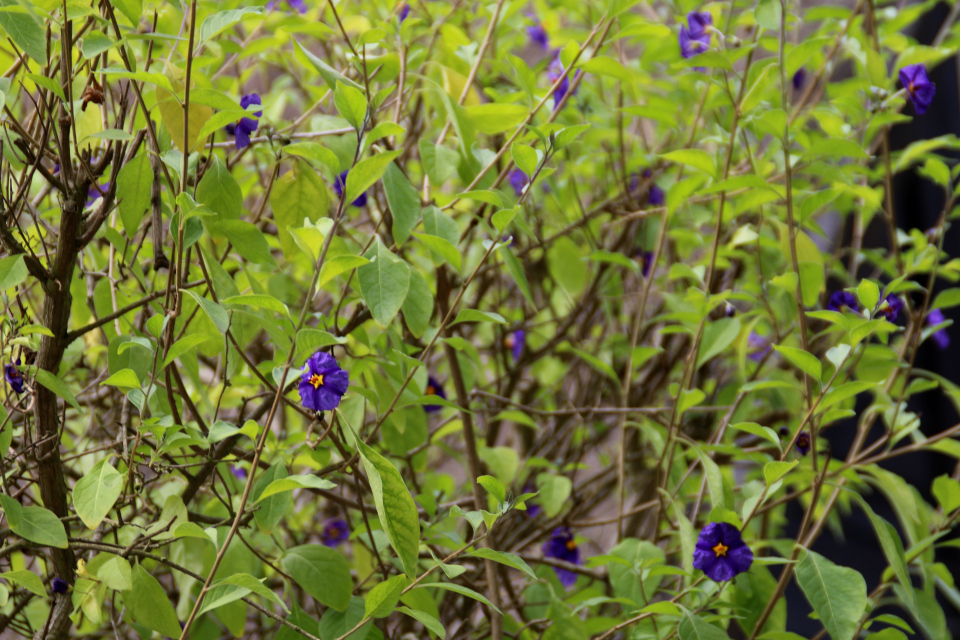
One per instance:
(116, 573)
(384, 597)
(132, 9)
(554, 492)
(124, 379)
(838, 594)
(25, 30)
(475, 315)
(696, 158)
(58, 386)
(96, 493)
(258, 301)
(223, 20)
(947, 492)
(526, 158)
(295, 482)
(456, 588)
(13, 272)
(773, 471)
(330, 75)
(395, 506)
(404, 202)
(217, 314)
(869, 294)
(49, 84)
(95, 43)
(692, 627)
(186, 344)
(426, 620)
(322, 572)
(247, 240)
(493, 118)
(516, 269)
(148, 604)
(623, 577)
(340, 265)
(508, 559)
(494, 487)
(366, 173)
(298, 195)
(606, 66)
(26, 579)
(133, 192)
(446, 250)
(272, 509)
(351, 105)
(383, 283)
(219, 191)
(717, 336)
(418, 305)
(714, 479)
(313, 151)
(804, 361)
(893, 549)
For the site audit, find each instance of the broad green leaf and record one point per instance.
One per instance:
(26, 579)
(893, 549)
(116, 573)
(804, 361)
(692, 627)
(26, 31)
(554, 492)
(322, 572)
(696, 158)
(504, 558)
(295, 482)
(442, 247)
(272, 509)
(125, 379)
(383, 283)
(330, 75)
(717, 336)
(607, 66)
(426, 620)
(95, 43)
(475, 315)
(526, 158)
(171, 113)
(773, 471)
(13, 272)
(624, 579)
(395, 506)
(133, 192)
(96, 493)
(132, 9)
(58, 386)
(148, 604)
(384, 597)
(714, 480)
(258, 301)
(947, 492)
(838, 594)
(49, 84)
(339, 265)
(366, 173)
(217, 314)
(297, 195)
(219, 191)
(313, 151)
(223, 20)
(418, 305)
(493, 118)
(456, 588)
(869, 294)
(404, 202)
(186, 344)
(351, 105)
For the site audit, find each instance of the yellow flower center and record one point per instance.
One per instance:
(508, 342)
(430, 390)
(910, 88)
(571, 545)
(721, 550)
(316, 380)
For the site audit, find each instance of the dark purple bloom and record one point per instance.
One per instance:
(238, 472)
(914, 79)
(58, 585)
(242, 129)
(645, 258)
(729, 310)
(655, 195)
(433, 389)
(556, 71)
(404, 12)
(840, 301)
(537, 33)
(695, 37)
(758, 346)
(891, 307)
(518, 180)
(299, 5)
(721, 552)
(323, 382)
(13, 376)
(798, 79)
(335, 532)
(803, 443)
(939, 336)
(515, 342)
(562, 546)
(340, 184)
(97, 191)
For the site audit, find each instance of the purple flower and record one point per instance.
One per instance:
(433, 389)
(562, 546)
(914, 79)
(556, 71)
(13, 376)
(841, 301)
(939, 336)
(238, 472)
(515, 342)
(299, 5)
(245, 126)
(798, 79)
(655, 195)
(538, 34)
(695, 38)
(404, 12)
(533, 508)
(323, 382)
(890, 308)
(645, 258)
(340, 184)
(729, 310)
(58, 585)
(97, 191)
(758, 346)
(335, 532)
(518, 180)
(721, 552)
(803, 443)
